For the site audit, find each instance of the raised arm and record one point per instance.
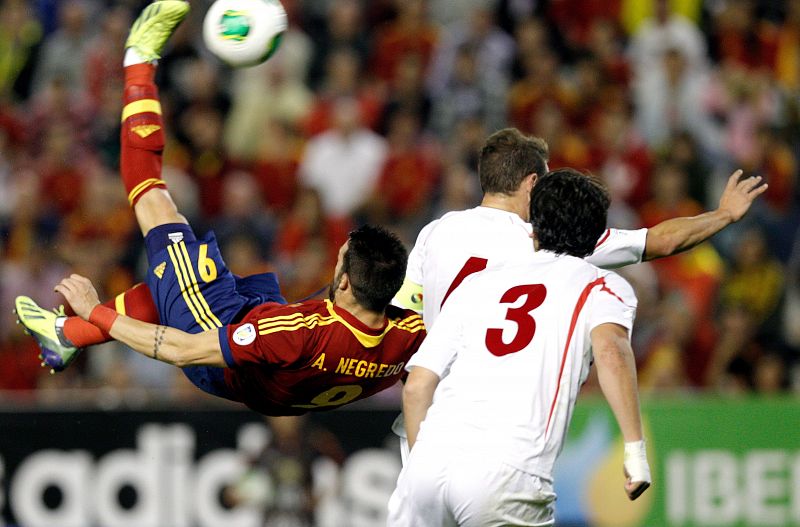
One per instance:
(616, 371)
(680, 234)
(162, 343)
(417, 398)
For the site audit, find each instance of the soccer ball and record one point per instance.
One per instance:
(244, 32)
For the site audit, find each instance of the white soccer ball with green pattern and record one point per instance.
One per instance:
(244, 32)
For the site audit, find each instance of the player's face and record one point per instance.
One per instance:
(337, 272)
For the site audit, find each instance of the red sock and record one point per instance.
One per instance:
(136, 303)
(142, 135)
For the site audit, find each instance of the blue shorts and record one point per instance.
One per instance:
(194, 291)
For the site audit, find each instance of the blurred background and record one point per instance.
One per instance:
(374, 111)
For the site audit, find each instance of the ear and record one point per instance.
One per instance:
(344, 282)
(530, 180)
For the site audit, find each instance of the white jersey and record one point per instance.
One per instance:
(465, 242)
(512, 349)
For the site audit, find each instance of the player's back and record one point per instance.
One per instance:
(462, 243)
(517, 344)
(465, 242)
(311, 356)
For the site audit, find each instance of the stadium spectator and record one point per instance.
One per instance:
(342, 30)
(740, 38)
(491, 50)
(787, 65)
(736, 351)
(407, 93)
(661, 33)
(279, 479)
(755, 280)
(669, 99)
(307, 245)
(276, 164)
(343, 79)
(243, 211)
(409, 174)
(104, 54)
(410, 35)
(622, 157)
(63, 53)
(20, 34)
(253, 115)
(344, 163)
(541, 84)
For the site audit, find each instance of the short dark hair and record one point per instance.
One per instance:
(507, 157)
(375, 262)
(569, 211)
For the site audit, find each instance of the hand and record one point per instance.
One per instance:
(634, 489)
(80, 294)
(637, 470)
(739, 194)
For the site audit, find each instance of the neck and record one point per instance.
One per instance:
(507, 202)
(371, 319)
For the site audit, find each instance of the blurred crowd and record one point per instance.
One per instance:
(374, 111)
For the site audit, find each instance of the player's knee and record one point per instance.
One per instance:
(157, 208)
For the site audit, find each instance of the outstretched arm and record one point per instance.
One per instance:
(163, 343)
(680, 234)
(616, 371)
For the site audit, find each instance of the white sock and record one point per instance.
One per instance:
(132, 57)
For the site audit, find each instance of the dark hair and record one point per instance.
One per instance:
(568, 212)
(507, 157)
(375, 262)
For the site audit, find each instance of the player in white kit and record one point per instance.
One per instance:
(464, 242)
(491, 391)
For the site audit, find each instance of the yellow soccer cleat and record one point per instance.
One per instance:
(154, 26)
(46, 327)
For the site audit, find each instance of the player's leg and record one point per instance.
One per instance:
(142, 135)
(61, 338)
(142, 139)
(484, 491)
(420, 497)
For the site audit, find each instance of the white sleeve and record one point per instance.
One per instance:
(613, 302)
(442, 343)
(618, 248)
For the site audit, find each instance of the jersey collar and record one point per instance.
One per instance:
(513, 216)
(358, 328)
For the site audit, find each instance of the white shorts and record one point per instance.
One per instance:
(442, 485)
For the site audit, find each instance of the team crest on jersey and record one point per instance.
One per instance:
(244, 335)
(159, 270)
(144, 130)
(175, 237)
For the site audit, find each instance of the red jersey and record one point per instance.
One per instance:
(291, 359)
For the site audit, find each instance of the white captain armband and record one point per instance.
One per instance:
(409, 296)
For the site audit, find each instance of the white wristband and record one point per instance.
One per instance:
(635, 461)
